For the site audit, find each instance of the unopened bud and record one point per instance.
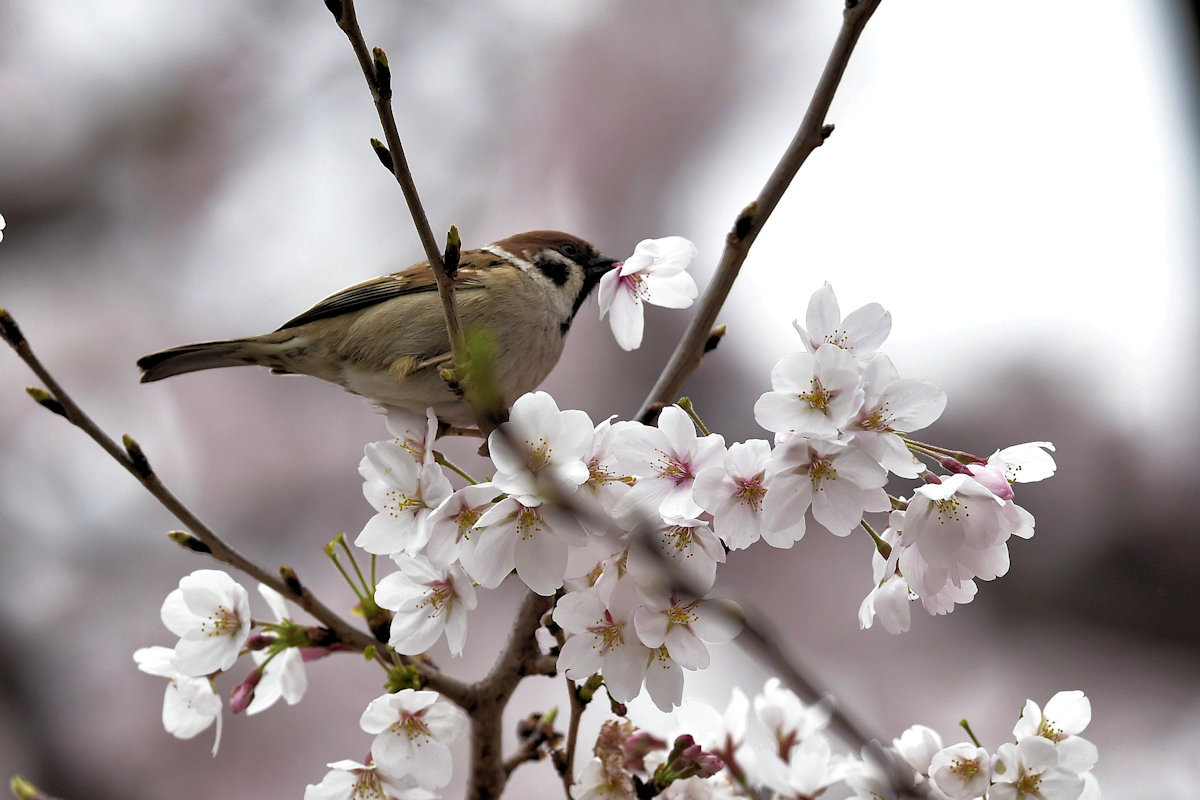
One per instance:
(243, 695)
(185, 539)
(291, 580)
(46, 400)
(137, 459)
(383, 154)
(9, 330)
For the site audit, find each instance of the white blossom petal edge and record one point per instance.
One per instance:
(654, 274)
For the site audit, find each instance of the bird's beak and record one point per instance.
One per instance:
(600, 265)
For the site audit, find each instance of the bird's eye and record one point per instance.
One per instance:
(569, 250)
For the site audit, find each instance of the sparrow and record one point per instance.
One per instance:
(385, 339)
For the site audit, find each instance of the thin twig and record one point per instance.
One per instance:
(810, 135)
(137, 465)
(375, 70)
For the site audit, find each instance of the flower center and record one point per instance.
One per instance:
(1050, 731)
(609, 633)
(948, 509)
(222, 622)
(398, 502)
(1029, 783)
(750, 492)
(412, 726)
(817, 397)
(821, 469)
(965, 768)
(671, 468)
(539, 455)
(529, 522)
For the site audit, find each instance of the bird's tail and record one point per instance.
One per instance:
(202, 355)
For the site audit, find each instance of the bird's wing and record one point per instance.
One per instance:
(410, 281)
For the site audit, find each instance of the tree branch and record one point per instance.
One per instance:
(131, 457)
(810, 135)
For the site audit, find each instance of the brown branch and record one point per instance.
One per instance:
(811, 134)
(136, 464)
(486, 699)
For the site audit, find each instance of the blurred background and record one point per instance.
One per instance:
(1016, 183)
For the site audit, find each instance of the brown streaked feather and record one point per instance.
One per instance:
(377, 290)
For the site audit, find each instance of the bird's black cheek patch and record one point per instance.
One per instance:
(556, 271)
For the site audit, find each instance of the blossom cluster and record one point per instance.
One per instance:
(777, 746)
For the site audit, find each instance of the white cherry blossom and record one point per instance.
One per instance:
(893, 405)
(962, 771)
(1064, 718)
(349, 780)
(403, 491)
(539, 453)
(687, 546)
(210, 613)
(602, 639)
(453, 522)
(413, 733)
(839, 482)
(426, 601)
(812, 393)
(190, 705)
(533, 540)
(860, 333)
(1029, 770)
(685, 627)
(665, 460)
(284, 676)
(654, 274)
(734, 495)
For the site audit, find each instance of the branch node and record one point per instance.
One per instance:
(383, 154)
(46, 401)
(741, 228)
(714, 338)
(383, 73)
(453, 251)
(827, 131)
(141, 465)
(9, 330)
(291, 580)
(186, 540)
(336, 8)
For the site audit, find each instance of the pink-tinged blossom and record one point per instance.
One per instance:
(533, 540)
(1029, 770)
(837, 480)
(540, 452)
(349, 780)
(665, 461)
(283, 674)
(1061, 722)
(607, 482)
(893, 406)
(654, 274)
(403, 492)
(684, 627)
(413, 731)
(190, 705)
(961, 771)
(425, 601)
(210, 613)
(453, 522)
(1021, 463)
(860, 333)
(955, 531)
(601, 639)
(599, 780)
(734, 495)
(812, 393)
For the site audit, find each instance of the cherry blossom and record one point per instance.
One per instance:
(210, 613)
(539, 453)
(283, 674)
(426, 602)
(654, 274)
(453, 522)
(349, 780)
(1061, 722)
(860, 333)
(961, 771)
(688, 547)
(839, 482)
(814, 393)
(190, 705)
(809, 770)
(917, 746)
(893, 405)
(684, 627)
(413, 730)
(601, 639)
(734, 495)
(666, 460)
(533, 540)
(1028, 770)
(403, 491)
